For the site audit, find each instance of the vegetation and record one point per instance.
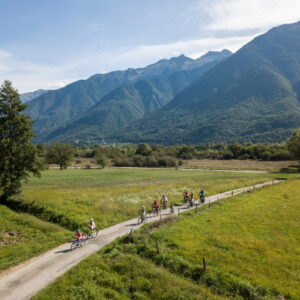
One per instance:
(144, 155)
(122, 276)
(23, 236)
(71, 197)
(294, 145)
(250, 244)
(61, 154)
(18, 155)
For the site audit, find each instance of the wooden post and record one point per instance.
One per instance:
(204, 264)
(157, 247)
(178, 211)
(209, 203)
(196, 208)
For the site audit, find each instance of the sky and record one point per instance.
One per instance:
(47, 44)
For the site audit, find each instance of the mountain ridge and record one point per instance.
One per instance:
(64, 105)
(251, 96)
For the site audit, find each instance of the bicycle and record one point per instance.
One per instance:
(91, 233)
(155, 211)
(80, 243)
(171, 209)
(164, 205)
(141, 219)
(202, 199)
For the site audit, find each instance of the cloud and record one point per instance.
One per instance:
(4, 54)
(249, 14)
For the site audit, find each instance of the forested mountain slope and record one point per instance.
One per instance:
(126, 104)
(54, 108)
(254, 95)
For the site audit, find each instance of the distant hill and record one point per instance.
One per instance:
(31, 95)
(254, 95)
(104, 103)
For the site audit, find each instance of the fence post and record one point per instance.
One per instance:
(178, 211)
(196, 208)
(204, 264)
(232, 194)
(209, 203)
(157, 247)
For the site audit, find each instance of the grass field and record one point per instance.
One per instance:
(23, 236)
(122, 276)
(251, 244)
(71, 197)
(236, 164)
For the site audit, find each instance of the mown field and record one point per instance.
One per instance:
(251, 244)
(237, 164)
(71, 197)
(23, 236)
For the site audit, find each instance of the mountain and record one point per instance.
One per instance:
(31, 95)
(125, 105)
(254, 95)
(54, 111)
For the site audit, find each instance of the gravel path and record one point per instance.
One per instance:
(26, 279)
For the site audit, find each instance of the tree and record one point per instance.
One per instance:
(143, 149)
(18, 155)
(101, 160)
(61, 154)
(294, 145)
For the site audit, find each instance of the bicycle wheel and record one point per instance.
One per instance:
(82, 242)
(95, 233)
(73, 246)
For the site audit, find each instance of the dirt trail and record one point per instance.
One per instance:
(26, 279)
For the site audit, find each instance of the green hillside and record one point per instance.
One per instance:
(125, 105)
(52, 109)
(252, 96)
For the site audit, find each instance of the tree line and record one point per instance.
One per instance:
(144, 155)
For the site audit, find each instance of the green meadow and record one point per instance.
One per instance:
(251, 245)
(23, 236)
(71, 197)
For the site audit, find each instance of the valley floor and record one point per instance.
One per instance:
(250, 243)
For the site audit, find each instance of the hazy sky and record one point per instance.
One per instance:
(49, 43)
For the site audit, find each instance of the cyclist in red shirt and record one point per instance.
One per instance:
(155, 206)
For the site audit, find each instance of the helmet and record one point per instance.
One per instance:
(91, 220)
(78, 230)
(143, 206)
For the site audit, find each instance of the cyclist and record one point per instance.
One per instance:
(202, 196)
(142, 214)
(155, 206)
(92, 225)
(78, 236)
(164, 201)
(192, 199)
(143, 211)
(172, 208)
(185, 196)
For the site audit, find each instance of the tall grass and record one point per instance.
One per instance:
(23, 236)
(250, 243)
